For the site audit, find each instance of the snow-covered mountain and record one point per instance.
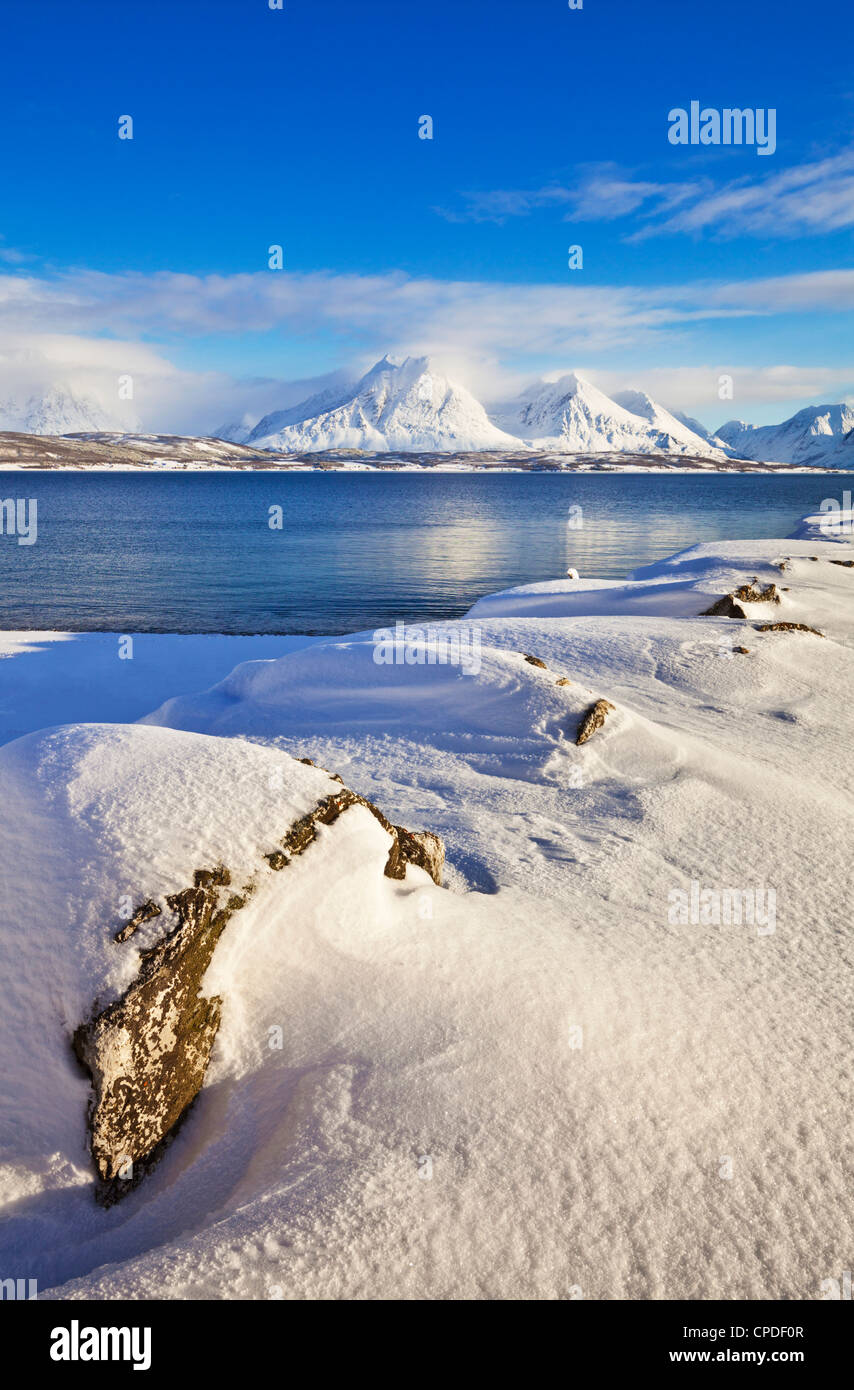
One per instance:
(59, 411)
(321, 403)
(843, 455)
(335, 390)
(688, 438)
(700, 430)
(572, 416)
(813, 435)
(407, 405)
(235, 431)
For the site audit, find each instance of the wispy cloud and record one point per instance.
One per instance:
(500, 204)
(11, 255)
(809, 199)
(396, 310)
(814, 198)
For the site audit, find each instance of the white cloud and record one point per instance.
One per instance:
(812, 198)
(769, 392)
(394, 309)
(491, 335)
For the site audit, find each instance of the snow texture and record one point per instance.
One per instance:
(544, 1081)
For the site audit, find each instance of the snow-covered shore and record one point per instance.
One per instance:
(573, 1072)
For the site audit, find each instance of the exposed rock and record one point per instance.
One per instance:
(846, 564)
(742, 651)
(148, 1052)
(564, 680)
(730, 606)
(309, 762)
(788, 627)
(725, 607)
(535, 661)
(143, 914)
(593, 720)
(410, 847)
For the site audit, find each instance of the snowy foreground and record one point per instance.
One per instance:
(576, 1071)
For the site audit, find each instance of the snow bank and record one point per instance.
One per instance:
(835, 524)
(49, 678)
(612, 1060)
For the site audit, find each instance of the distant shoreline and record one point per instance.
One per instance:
(184, 453)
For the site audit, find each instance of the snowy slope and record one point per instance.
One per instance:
(320, 403)
(572, 416)
(60, 411)
(526, 1086)
(700, 430)
(397, 406)
(842, 455)
(235, 431)
(813, 435)
(683, 438)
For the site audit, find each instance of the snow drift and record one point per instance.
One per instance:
(576, 1071)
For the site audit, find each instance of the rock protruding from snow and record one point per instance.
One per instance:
(593, 720)
(732, 604)
(148, 1052)
(408, 406)
(819, 434)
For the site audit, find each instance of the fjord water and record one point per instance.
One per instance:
(194, 552)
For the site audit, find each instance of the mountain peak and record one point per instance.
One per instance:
(406, 406)
(810, 436)
(59, 411)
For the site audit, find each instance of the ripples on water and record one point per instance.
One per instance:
(193, 552)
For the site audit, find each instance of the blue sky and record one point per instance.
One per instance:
(299, 127)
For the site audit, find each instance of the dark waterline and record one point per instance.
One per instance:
(193, 552)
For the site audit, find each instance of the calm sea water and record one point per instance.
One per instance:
(194, 552)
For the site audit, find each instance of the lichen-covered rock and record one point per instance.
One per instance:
(731, 605)
(147, 1053)
(415, 847)
(789, 627)
(593, 720)
(144, 913)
